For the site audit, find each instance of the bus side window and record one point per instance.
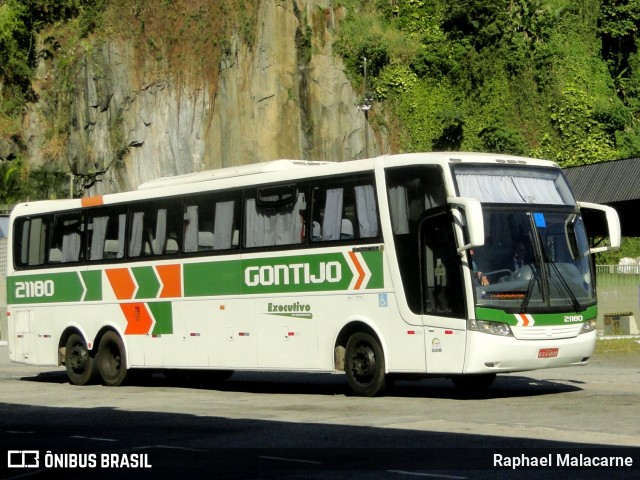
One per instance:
(21, 242)
(30, 241)
(344, 213)
(209, 225)
(154, 230)
(267, 225)
(67, 239)
(106, 232)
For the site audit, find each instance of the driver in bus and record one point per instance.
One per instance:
(519, 252)
(479, 277)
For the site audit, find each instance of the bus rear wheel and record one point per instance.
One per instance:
(364, 365)
(112, 359)
(80, 365)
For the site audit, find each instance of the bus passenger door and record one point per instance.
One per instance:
(443, 294)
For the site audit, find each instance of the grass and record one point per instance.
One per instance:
(618, 345)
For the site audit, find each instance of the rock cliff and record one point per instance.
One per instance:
(286, 96)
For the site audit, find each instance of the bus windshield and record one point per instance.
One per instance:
(533, 261)
(536, 253)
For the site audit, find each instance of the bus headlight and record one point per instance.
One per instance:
(588, 326)
(493, 328)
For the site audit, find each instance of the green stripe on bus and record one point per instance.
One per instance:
(291, 274)
(162, 314)
(93, 282)
(540, 319)
(45, 288)
(148, 283)
(373, 259)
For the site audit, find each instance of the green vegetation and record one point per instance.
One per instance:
(557, 79)
(550, 78)
(185, 37)
(617, 345)
(27, 35)
(630, 247)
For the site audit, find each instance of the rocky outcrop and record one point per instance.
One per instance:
(285, 97)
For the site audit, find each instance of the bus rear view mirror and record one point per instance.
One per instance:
(473, 219)
(605, 220)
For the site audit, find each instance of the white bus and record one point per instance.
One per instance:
(393, 267)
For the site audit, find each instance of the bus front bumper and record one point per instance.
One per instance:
(494, 354)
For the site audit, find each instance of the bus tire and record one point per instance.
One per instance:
(112, 359)
(474, 382)
(80, 365)
(364, 365)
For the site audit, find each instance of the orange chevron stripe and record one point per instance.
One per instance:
(92, 201)
(121, 282)
(360, 270)
(525, 320)
(139, 321)
(171, 280)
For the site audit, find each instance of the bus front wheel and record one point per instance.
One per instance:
(112, 359)
(364, 365)
(80, 365)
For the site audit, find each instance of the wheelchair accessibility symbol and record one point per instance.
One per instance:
(382, 300)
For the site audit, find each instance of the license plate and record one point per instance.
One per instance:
(547, 352)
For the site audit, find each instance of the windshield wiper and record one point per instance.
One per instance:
(563, 282)
(574, 300)
(535, 277)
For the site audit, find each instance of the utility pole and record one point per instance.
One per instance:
(365, 107)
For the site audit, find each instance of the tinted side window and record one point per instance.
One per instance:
(67, 238)
(270, 221)
(154, 230)
(210, 223)
(344, 211)
(30, 241)
(411, 192)
(106, 234)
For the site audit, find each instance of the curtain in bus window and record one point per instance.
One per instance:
(332, 222)
(288, 223)
(135, 242)
(96, 251)
(37, 241)
(24, 243)
(71, 241)
(538, 190)
(399, 208)
(509, 189)
(366, 208)
(273, 226)
(256, 227)
(223, 225)
(191, 229)
(161, 232)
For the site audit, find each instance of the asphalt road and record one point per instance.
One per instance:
(286, 426)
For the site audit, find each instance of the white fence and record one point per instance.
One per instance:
(623, 269)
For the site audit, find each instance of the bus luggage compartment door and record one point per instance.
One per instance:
(23, 335)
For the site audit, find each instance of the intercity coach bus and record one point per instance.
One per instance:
(458, 265)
